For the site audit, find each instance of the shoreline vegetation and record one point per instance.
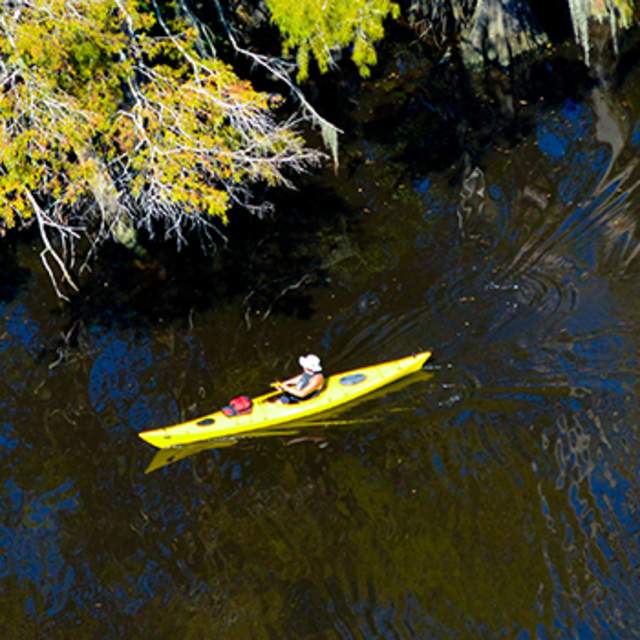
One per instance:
(124, 120)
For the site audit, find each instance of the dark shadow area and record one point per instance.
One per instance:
(431, 124)
(13, 276)
(554, 18)
(267, 263)
(630, 54)
(436, 114)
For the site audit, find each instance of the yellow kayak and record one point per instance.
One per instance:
(267, 412)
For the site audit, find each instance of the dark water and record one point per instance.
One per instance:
(496, 496)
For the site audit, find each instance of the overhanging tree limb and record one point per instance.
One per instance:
(281, 70)
(107, 127)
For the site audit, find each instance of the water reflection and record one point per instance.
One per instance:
(497, 496)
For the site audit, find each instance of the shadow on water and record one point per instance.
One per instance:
(14, 277)
(258, 262)
(502, 502)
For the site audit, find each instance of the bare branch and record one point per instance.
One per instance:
(44, 222)
(281, 70)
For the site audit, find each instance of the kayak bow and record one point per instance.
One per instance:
(339, 389)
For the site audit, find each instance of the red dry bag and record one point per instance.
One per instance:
(238, 406)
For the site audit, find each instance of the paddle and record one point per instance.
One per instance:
(268, 396)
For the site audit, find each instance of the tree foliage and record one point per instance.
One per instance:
(111, 118)
(319, 28)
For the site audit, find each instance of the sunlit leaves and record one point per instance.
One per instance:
(109, 111)
(318, 28)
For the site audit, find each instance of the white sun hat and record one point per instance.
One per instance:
(311, 362)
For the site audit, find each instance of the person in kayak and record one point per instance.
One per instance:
(305, 385)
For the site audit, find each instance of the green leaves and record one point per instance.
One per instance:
(319, 28)
(107, 113)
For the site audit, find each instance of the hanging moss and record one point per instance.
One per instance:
(619, 13)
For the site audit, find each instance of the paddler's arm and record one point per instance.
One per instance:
(290, 384)
(314, 384)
